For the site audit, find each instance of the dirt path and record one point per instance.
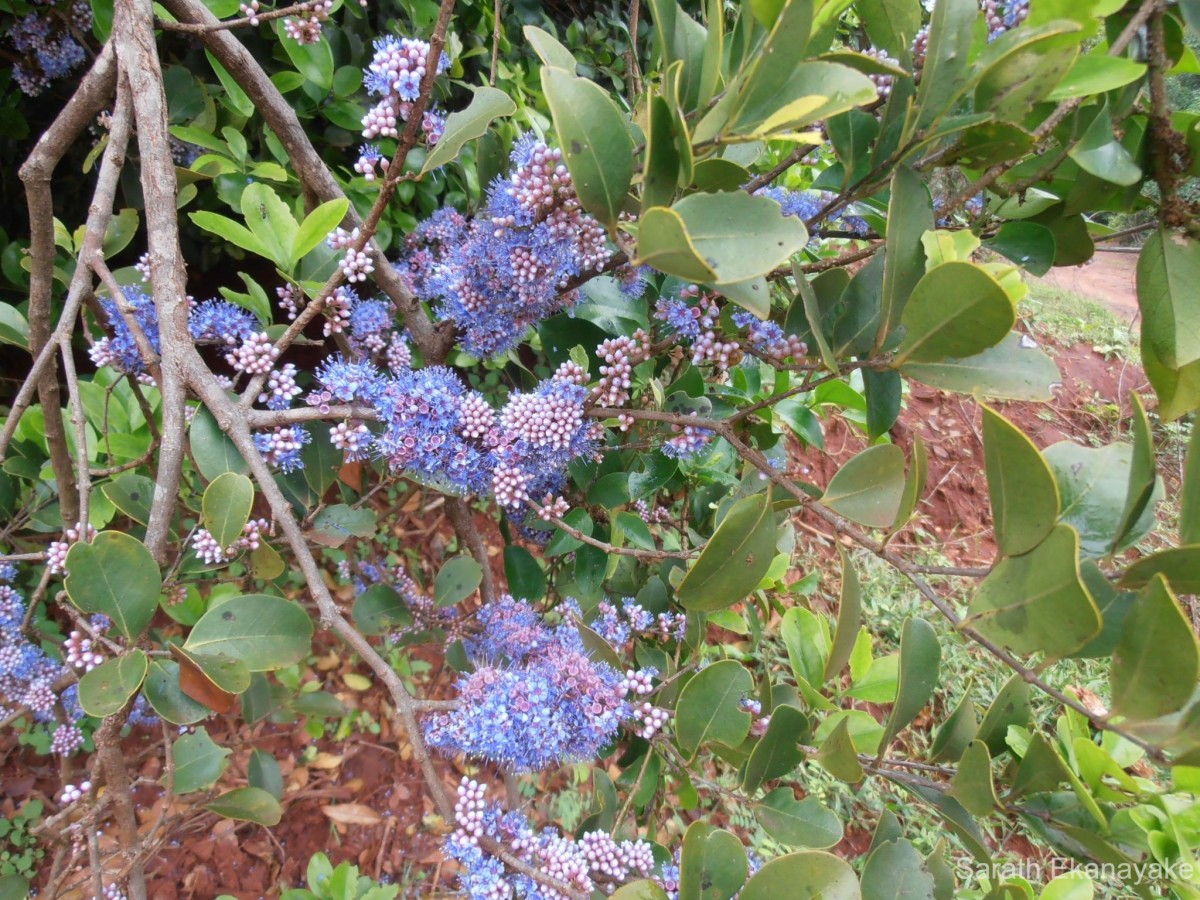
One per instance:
(1108, 277)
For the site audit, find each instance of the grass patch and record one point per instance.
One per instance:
(1066, 318)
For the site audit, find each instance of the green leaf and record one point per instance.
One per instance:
(487, 105)
(1041, 769)
(896, 871)
(910, 215)
(1025, 502)
(798, 823)
(1015, 369)
(956, 732)
(132, 494)
(121, 229)
(735, 558)
(1178, 390)
(663, 164)
(1142, 478)
(226, 507)
(318, 224)
(1094, 485)
(1009, 707)
(164, 694)
(271, 221)
(212, 449)
(234, 232)
(525, 577)
(595, 140)
(869, 487)
(457, 580)
(1022, 66)
(107, 688)
(807, 875)
(1189, 512)
(1029, 245)
(1099, 153)
(914, 484)
(712, 864)
(972, 785)
(549, 50)
(234, 95)
(1156, 663)
(720, 239)
(891, 25)
(681, 42)
(1097, 73)
(1037, 602)
(378, 608)
(334, 525)
(115, 575)
(262, 631)
(945, 76)
(1076, 885)
(265, 563)
(248, 804)
(199, 762)
(920, 656)
(640, 890)
(955, 816)
(811, 91)
(849, 618)
(313, 61)
(884, 392)
(777, 754)
(263, 772)
(838, 756)
(708, 709)
(957, 310)
(14, 328)
(224, 672)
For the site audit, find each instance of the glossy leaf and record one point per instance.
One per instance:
(662, 156)
(595, 141)
(1029, 245)
(708, 709)
(524, 575)
(163, 692)
(956, 731)
(1023, 66)
(944, 78)
(212, 679)
(914, 484)
(889, 24)
(212, 450)
(868, 489)
(1094, 485)
(1015, 369)
(1037, 602)
(1099, 153)
(248, 804)
(107, 688)
(1097, 73)
(837, 754)
(1156, 663)
(487, 104)
(456, 580)
(734, 560)
(721, 238)
(910, 215)
(1140, 493)
(807, 875)
(920, 657)
(271, 221)
(199, 762)
(640, 890)
(712, 863)
(798, 823)
(957, 310)
(132, 494)
(1041, 769)
(849, 618)
(549, 50)
(1167, 274)
(776, 754)
(115, 575)
(226, 507)
(972, 785)
(319, 223)
(1024, 496)
(262, 631)
(896, 871)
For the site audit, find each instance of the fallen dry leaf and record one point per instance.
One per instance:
(352, 814)
(326, 761)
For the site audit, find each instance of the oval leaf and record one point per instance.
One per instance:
(486, 105)
(107, 688)
(199, 762)
(457, 581)
(226, 506)
(708, 707)
(735, 559)
(1156, 662)
(115, 575)
(248, 804)
(1025, 502)
(956, 310)
(263, 632)
(869, 487)
(808, 875)
(798, 823)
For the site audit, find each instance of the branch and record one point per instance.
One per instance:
(226, 25)
(459, 511)
(655, 555)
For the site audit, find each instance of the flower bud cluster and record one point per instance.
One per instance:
(255, 356)
(281, 446)
(79, 652)
(46, 50)
(620, 355)
(56, 553)
(71, 793)
(121, 351)
(205, 546)
(768, 339)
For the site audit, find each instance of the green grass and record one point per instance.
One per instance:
(1066, 318)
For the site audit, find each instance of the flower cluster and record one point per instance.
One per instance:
(809, 206)
(394, 75)
(438, 431)
(536, 698)
(1002, 15)
(595, 861)
(206, 548)
(120, 351)
(219, 322)
(47, 51)
(768, 338)
(509, 268)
